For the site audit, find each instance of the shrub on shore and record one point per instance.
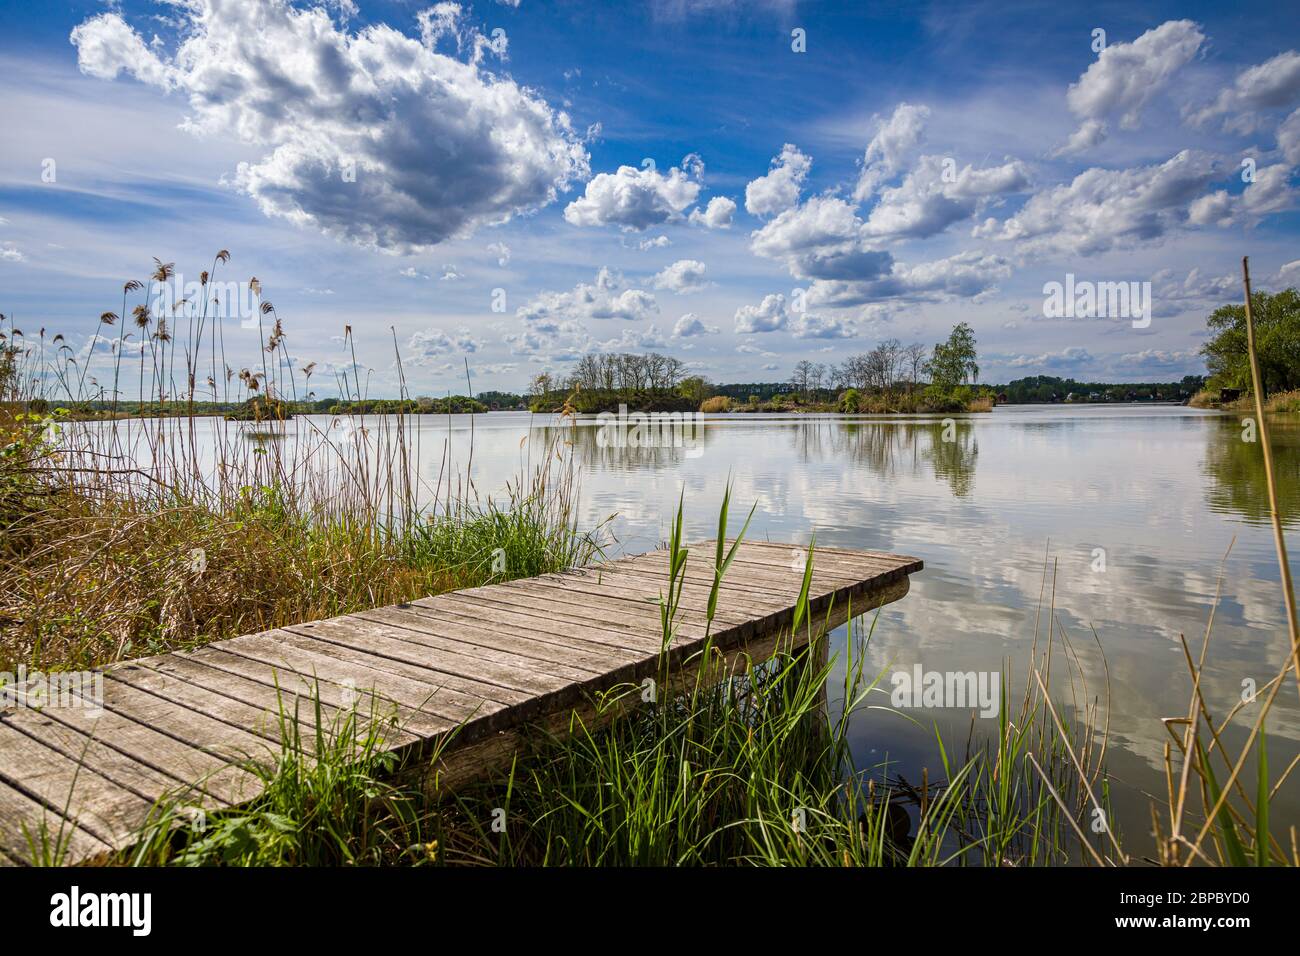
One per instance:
(1284, 403)
(595, 401)
(1279, 403)
(927, 402)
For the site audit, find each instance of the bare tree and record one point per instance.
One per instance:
(586, 372)
(654, 365)
(673, 372)
(541, 384)
(802, 376)
(891, 352)
(914, 357)
(626, 370)
(857, 371)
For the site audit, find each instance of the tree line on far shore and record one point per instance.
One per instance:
(890, 377)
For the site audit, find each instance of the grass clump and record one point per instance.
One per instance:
(1284, 403)
(1278, 403)
(325, 799)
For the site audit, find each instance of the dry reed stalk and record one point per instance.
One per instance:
(1279, 541)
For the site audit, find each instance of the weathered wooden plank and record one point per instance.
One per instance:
(100, 806)
(744, 585)
(482, 626)
(766, 586)
(246, 722)
(527, 693)
(208, 771)
(640, 616)
(637, 602)
(487, 679)
(481, 759)
(183, 723)
(856, 571)
(692, 608)
(509, 610)
(124, 770)
(29, 830)
(834, 553)
(476, 668)
(745, 576)
(734, 602)
(835, 560)
(369, 705)
(760, 564)
(574, 615)
(338, 663)
(296, 705)
(456, 637)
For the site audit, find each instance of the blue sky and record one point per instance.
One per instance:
(517, 185)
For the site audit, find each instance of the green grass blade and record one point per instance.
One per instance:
(1231, 841)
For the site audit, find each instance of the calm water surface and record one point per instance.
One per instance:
(1172, 495)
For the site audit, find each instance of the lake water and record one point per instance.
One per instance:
(1173, 497)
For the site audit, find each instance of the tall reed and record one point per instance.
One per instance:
(135, 534)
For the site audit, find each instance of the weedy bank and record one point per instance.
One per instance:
(130, 537)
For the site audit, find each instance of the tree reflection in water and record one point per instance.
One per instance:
(1235, 468)
(945, 448)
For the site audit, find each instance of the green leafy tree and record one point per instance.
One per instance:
(1277, 343)
(695, 388)
(954, 363)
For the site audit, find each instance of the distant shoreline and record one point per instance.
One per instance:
(736, 410)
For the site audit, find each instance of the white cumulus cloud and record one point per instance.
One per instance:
(1104, 209)
(1270, 192)
(691, 325)
(682, 277)
(606, 298)
(937, 194)
(770, 315)
(373, 136)
(894, 143)
(426, 345)
(636, 199)
(779, 189)
(969, 275)
(1125, 76)
(810, 326)
(716, 215)
(1273, 84)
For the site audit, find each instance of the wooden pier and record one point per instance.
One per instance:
(487, 666)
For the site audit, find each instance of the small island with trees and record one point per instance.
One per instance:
(891, 378)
